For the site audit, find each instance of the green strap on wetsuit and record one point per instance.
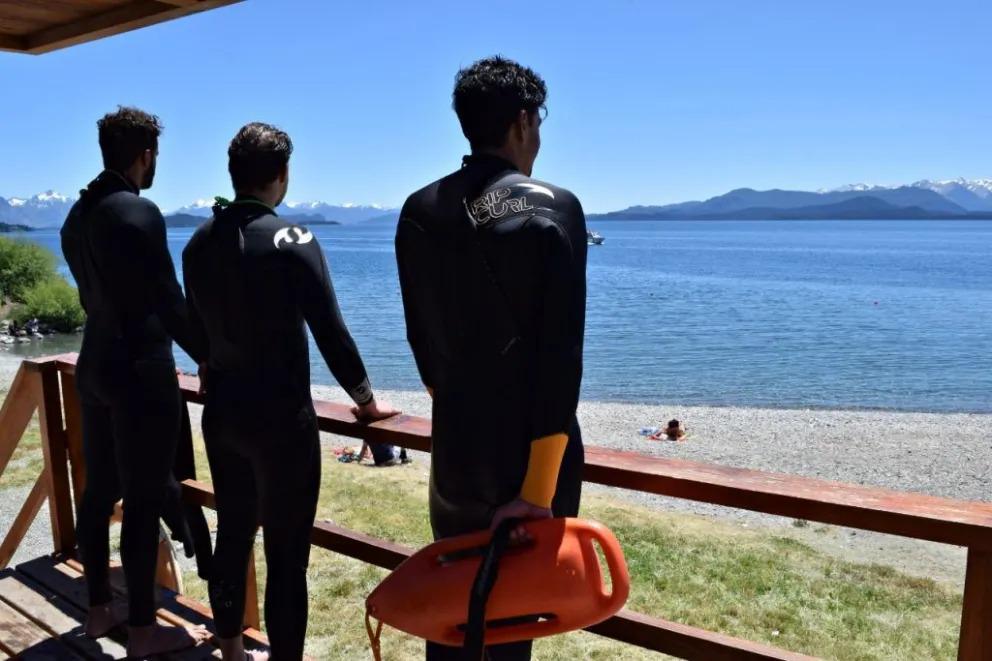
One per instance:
(223, 202)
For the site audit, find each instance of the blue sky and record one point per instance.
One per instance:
(650, 101)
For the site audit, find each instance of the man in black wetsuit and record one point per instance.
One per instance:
(114, 243)
(253, 280)
(492, 269)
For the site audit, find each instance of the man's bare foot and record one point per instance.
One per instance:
(233, 649)
(102, 619)
(159, 639)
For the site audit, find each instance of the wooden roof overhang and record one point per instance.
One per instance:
(40, 26)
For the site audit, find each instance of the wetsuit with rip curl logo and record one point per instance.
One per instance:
(492, 270)
(254, 283)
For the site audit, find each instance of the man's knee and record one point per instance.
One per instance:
(237, 538)
(99, 500)
(145, 498)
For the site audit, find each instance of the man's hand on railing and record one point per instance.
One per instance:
(374, 410)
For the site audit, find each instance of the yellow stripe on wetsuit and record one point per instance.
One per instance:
(542, 469)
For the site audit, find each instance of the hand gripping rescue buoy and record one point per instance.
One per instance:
(448, 592)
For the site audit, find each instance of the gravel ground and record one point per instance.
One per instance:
(38, 540)
(941, 454)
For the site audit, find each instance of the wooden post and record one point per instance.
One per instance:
(252, 617)
(53, 442)
(976, 616)
(167, 573)
(23, 521)
(74, 435)
(15, 414)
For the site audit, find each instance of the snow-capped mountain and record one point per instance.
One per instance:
(855, 188)
(46, 209)
(349, 212)
(197, 208)
(972, 194)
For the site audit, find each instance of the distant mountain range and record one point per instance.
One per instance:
(191, 220)
(49, 209)
(959, 198)
(46, 209)
(311, 212)
(954, 198)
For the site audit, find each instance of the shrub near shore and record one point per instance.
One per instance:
(37, 298)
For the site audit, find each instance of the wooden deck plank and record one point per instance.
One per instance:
(68, 582)
(23, 639)
(56, 616)
(173, 608)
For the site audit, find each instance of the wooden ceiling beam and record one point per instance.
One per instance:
(122, 19)
(9, 42)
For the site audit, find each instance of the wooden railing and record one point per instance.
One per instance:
(961, 523)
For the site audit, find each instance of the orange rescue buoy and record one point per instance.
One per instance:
(548, 585)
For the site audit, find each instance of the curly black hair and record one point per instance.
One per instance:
(258, 154)
(489, 96)
(125, 134)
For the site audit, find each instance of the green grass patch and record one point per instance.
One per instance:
(747, 583)
(27, 461)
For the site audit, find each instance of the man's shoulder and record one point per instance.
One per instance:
(271, 233)
(425, 201)
(198, 238)
(421, 200)
(125, 199)
(537, 192)
(530, 203)
(131, 209)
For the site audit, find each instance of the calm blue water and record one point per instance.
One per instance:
(877, 314)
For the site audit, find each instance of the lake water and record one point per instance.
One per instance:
(860, 314)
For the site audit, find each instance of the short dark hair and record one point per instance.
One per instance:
(125, 134)
(489, 96)
(257, 155)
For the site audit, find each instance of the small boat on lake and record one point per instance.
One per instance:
(594, 238)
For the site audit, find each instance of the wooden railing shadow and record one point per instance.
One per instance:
(47, 385)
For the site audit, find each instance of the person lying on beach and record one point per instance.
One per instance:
(673, 432)
(384, 455)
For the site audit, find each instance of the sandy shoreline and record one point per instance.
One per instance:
(943, 454)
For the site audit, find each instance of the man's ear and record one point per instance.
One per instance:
(147, 157)
(520, 126)
(284, 175)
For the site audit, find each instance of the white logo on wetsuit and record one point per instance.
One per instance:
(286, 234)
(494, 205)
(537, 188)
